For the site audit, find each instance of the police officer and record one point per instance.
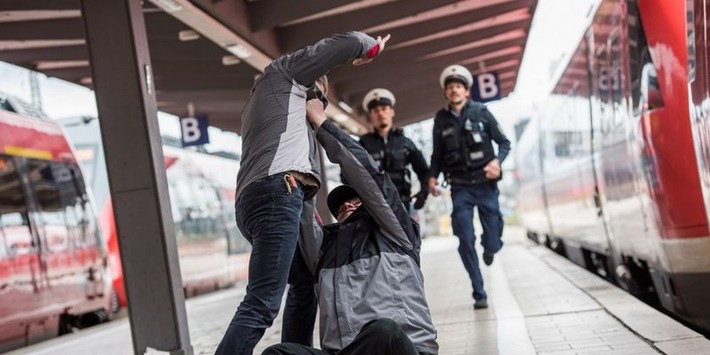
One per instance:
(463, 151)
(391, 150)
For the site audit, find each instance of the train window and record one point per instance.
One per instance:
(86, 156)
(645, 91)
(14, 222)
(651, 97)
(62, 203)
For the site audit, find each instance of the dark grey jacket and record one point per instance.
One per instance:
(369, 267)
(276, 136)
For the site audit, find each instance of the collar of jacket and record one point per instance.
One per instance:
(357, 215)
(394, 131)
(465, 107)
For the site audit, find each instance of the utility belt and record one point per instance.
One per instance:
(475, 179)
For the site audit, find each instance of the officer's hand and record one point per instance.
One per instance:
(433, 189)
(381, 42)
(315, 112)
(419, 201)
(492, 169)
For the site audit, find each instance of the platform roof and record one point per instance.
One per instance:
(427, 35)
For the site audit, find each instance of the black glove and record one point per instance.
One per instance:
(420, 200)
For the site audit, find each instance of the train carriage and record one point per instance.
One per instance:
(614, 169)
(54, 271)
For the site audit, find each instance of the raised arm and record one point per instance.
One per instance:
(375, 188)
(310, 63)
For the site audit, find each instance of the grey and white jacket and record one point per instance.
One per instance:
(276, 135)
(369, 265)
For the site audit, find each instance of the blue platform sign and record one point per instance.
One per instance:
(486, 87)
(194, 130)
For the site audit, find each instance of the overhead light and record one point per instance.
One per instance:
(345, 107)
(230, 60)
(239, 50)
(168, 5)
(188, 35)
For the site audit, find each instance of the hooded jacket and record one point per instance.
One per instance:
(369, 265)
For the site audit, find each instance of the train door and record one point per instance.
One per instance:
(66, 225)
(21, 275)
(619, 174)
(699, 79)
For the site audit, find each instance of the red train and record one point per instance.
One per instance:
(213, 253)
(614, 170)
(54, 268)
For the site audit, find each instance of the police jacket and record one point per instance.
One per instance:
(276, 137)
(393, 154)
(463, 144)
(369, 264)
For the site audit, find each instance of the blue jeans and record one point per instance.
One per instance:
(299, 317)
(268, 216)
(485, 197)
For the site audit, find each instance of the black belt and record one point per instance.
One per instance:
(462, 181)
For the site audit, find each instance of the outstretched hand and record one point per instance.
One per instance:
(381, 43)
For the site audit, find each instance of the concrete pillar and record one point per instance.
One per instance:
(122, 78)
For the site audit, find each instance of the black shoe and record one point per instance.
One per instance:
(480, 304)
(488, 258)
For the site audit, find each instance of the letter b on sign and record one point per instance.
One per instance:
(486, 87)
(194, 131)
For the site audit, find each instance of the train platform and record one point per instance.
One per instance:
(540, 303)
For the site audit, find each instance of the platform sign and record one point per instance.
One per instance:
(486, 87)
(194, 130)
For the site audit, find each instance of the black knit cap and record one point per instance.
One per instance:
(338, 196)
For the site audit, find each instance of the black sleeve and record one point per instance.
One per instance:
(498, 136)
(377, 191)
(435, 168)
(416, 158)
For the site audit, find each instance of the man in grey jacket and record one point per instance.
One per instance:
(370, 286)
(279, 170)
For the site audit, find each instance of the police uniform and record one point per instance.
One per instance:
(395, 151)
(462, 149)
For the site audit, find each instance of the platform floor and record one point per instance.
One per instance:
(539, 303)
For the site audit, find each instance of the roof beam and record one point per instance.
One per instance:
(25, 5)
(425, 28)
(66, 53)
(203, 95)
(384, 68)
(266, 14)
(431, 47)
(66, 28)
(158, 25)
(235, 16)
(179, 84)
(300, 35)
